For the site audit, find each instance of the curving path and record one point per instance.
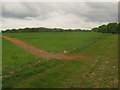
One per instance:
(42, 53)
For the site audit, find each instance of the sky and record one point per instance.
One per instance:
(83, 15)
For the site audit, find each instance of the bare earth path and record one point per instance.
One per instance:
(42, 53)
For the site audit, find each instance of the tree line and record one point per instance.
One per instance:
(42, 29)
(113, 28)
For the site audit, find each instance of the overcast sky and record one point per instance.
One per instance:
(84, 15)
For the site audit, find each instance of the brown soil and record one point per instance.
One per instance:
(42, 53)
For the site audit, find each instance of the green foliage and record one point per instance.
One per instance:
(42, 29)
(113, 28)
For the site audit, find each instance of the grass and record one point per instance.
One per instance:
(99, 71)
(52, 40)
(51, 73)
(14, 57)
(0, 62)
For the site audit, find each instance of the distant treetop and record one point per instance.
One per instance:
(113, 28)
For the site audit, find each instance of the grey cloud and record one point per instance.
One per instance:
(103, 11)
(96, 12)
(100, 12)
(15, 10)
(32, 9)
(119, 12)
(65, 15)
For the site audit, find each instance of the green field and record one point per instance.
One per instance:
(0, 62)
(99, 71)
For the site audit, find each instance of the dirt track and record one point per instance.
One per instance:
(42, 53)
